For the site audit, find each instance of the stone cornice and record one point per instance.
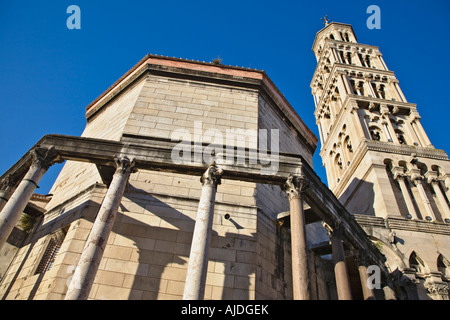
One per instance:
(390, 147)
(156, 154)
(399, 223)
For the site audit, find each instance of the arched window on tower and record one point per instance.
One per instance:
(375, 133)
(338, 162)
(367, 60)
(349, 149)
(400, 137)
(443, 266)
(353, 86)
(416, 263)
(381, 92)
(361, 88)
(348, 56)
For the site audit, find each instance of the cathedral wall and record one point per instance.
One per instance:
(108, 124)
(74, 217)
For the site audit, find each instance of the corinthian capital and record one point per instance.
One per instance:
(295, 185)
(45, 157)
(417, 179)
(333, 230)
(124, 164)
(212, 175)
(8, 182)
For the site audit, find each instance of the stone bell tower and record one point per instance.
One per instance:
(379, 161)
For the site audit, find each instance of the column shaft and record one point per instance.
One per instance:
(300, 274)
(407, 197)
(425, 200)
(340, 266)
(367, 292)
(198, 258)
(423, 134)
(13, 209)
(442, 200)
(87, 267)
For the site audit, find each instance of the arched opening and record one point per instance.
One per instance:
(416, 263)
(346, 37)
(348, 144)
(338, 162)
(443, 266)
(375, 133)
(438, 169)
(400, 136)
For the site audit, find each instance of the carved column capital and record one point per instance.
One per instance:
(8, 182)
(432, 177)
(45, 157)
(417, 179)
(124, 164)
(335, 230)
(212, 176)
(354, 108)
(399, 176)
(414, 115)
(294, 186)
(398, 173)
(372, 106)
(384, 110)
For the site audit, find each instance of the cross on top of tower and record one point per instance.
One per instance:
(325, 20)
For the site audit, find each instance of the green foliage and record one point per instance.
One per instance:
(217, 61)
(379, 245)
(27, 222)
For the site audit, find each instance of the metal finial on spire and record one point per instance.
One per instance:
(325, 20)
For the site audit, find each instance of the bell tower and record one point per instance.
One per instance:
(378, 158)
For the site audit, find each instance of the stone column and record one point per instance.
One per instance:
(319, 124)
(340, 266)
(87, 267)
(42, 159)
(369, 84)
(388, 124)
(399, 90)
(445, 180)
(198, 258)
(423, 195)
(441, 198)
(382, 61)
(294, 187)
(359, 125)
(368, 293)
(400, 177)
(420, 132)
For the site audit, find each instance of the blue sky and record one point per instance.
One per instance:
(49, 74)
